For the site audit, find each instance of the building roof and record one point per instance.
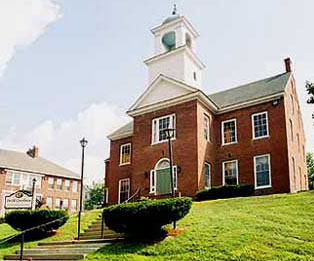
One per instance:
(22, 161)
(125, 129)
(234, 96)
(251, 91)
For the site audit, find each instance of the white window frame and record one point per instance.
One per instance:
(121, 149)
(63, 205)
(255, 177)
(120, 181)
(206, 127)
(253, 126)
(51, 206)
(58, 200)
(235, 132)
(53, 183)
(59, 184)
(223, 170)
(155, 132)
(210, 175)
(74, 200)
(67, 188)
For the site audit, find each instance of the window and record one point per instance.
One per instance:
(49, 202)
(124, 190)
(229, 132)
(291, 130)
(16, 178)
(262, 171)
(194, 76)
(159, 126)
(303, 149)
(9, 178)
(67, 185)
(65, 204)
(152, 184)
(59, 184)
(260, 125)
(207, 176)
(162, 165)
(298, 140)
(58, 203)
(206, 128)
(294, 174)
(125, 154)
(51, 183)
(74, 186)
(188, 41)
(169, 41)
(175, 177)
(230, 172)
(73, 204)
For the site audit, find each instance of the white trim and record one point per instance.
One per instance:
(269, 166)
(172, 123)
(53, 183)
(223, 170)
(121, 146)
(253, 127)
(235, 132)
(119, 188)
(61, 184)
(152, 177)
(120, 136)
(210, 175)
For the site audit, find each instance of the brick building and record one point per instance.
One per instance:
(56, 186)
(251, 134)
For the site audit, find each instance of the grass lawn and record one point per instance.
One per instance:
(66, 232)
(276, 227)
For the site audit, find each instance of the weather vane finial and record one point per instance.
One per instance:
(174, 12)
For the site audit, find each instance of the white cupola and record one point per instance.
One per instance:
(175, 54)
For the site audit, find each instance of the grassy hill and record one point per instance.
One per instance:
(276, 227)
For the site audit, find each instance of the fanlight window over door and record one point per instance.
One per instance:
(169, 41)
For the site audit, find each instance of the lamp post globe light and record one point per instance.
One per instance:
(83, 145)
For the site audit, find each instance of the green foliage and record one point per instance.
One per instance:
(310, 169)
(310, 90)
(232, 191)
(96, 197)
(25, 219)
(146, 217)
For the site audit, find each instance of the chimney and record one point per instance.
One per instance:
(33, 152)
(288, 64)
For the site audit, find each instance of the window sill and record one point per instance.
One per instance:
(262, 137)
(263, 187)
(124, 164)
(163, 141)
(230, 143)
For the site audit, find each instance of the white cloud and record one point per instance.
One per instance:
(21, 23)
(60, 142)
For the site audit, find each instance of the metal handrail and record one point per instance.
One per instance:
(133, 196)
(22, 234)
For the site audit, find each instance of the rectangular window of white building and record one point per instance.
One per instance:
(159, 126)
(262, 171)
(207, 176)
(59, 184)
(58, 203)
(65, 204)
(230, 172)
(51, 183)
(9, 178)
(74, 186)
(49, 202)
(229, 132)
(206, 128)
(260, 125)
(125, 154)
(124, 190)
(67, 185)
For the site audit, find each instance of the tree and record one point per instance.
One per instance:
(310, 169)
(95, 197)
(310, 90)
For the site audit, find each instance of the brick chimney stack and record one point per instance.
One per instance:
(288, 64)
(33, 152)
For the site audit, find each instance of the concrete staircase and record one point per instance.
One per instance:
(90, 241)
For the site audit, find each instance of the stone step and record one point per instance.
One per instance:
(99, 237)
(80, 242)
(58, 251)
(46, 257)
(73, 246)
(106, 232)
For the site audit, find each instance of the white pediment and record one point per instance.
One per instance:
(162, 89)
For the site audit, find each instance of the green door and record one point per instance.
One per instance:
(163, 181)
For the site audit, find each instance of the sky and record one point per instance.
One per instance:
(71, 68)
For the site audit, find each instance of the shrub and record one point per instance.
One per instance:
(231, 191)
(146, 218)
(25, 219)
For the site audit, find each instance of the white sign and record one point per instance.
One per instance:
(18, 200)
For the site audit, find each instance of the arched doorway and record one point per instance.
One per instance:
(163, 181)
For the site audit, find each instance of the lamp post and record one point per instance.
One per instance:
(83, 144)
(170, 134)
